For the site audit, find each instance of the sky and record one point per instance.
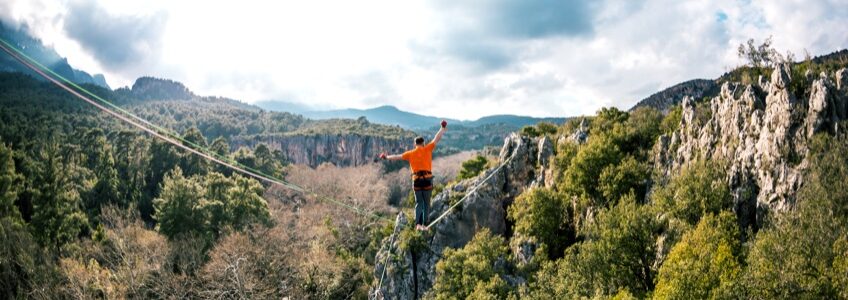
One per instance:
(457, 59)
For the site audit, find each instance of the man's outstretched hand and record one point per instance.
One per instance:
(444, 123)
(383, 156)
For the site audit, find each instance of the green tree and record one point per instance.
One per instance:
(643, 129)
(208, 206)
(180, 206)
(246, 205)
(699, 189)
(131, 160)
(546, 217)
(581, 177)
(840, 267)
(546, 128)
(562, 160)
(460, 271)
(57, 218)
(262, 159)
(529, 131)
(101, 161)
(271, 163)
(493, 289)
(10, 184)
(221, 147)
(472, 167)
(24, 266)
(628, 176)
(193, 164)
(801, 254)
(606, 118)
(217, 202)
(705, 263)
(618, 253)
(163, 159)
(671, 121)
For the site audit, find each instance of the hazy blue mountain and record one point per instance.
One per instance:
(283, 106)
(390, 115)
(518, 121)
(43, 54)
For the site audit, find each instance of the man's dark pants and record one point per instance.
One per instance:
(422, 206)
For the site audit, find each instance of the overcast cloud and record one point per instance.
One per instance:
(460, 59)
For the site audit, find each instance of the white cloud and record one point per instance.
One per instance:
(439, 57)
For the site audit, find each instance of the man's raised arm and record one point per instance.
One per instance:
(391, 157)
(441, 132)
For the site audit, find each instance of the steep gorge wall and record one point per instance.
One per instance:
(340, 150)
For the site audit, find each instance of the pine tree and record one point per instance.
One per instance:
(179, 207)
(10, 184)
(163, 159)
(57, 218)
(193, 164)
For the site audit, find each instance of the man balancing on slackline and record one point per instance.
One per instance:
(420, 161)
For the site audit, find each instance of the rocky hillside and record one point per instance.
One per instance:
(663, 100)
(700, 88)
(761, 132)
(759, 135)
(405, 275)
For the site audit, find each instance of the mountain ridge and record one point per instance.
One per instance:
(708, 88)
(45, 55)
(391, 115)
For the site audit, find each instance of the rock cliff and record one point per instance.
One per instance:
(760, 133)
(407, 275)
(340, 150)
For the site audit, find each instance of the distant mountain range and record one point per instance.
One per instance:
(465, 135)
(44, 55)
(390, 115)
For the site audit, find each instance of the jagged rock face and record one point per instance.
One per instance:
(581, 134)
(340, 150)
(761, 133)
(410, 275)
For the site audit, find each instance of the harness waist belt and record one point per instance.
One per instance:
(422, 181)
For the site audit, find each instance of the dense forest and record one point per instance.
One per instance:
(91, 208)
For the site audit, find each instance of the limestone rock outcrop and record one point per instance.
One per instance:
(760, 133)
